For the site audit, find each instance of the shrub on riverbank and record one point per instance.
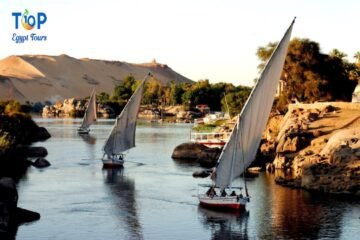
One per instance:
(20, 129)
(17, 128)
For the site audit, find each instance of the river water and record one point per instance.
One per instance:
(152, 197)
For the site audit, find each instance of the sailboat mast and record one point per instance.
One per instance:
(233, 155)
(94, 103)
(243, 162)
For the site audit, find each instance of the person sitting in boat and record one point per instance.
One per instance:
(233, 194)
(240, 196)
(211, 192)
(223, 192)
(116, 156)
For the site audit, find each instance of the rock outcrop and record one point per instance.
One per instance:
(336, 169)
(319, 145)
(20, 129)
(41, 163)
(296, 132)
(17, 132)
(149, 114)
(10, 215)
(73, 107)
(196, 152)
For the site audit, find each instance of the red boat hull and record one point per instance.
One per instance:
(223, 203)
(234, 206)
(112, 162)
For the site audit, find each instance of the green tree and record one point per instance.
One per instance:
(310, 75)
(235, 100)
(153, 92)
(335, 53)
(197, 93)
(264, 53)
(103, 97)
(176, 92)
(218, 92)
(201, 93)
(124, 90)
(187, 98)
(166, 97)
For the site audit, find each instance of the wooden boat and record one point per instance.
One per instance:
(122, 135)
(89, 116)
(240, 151)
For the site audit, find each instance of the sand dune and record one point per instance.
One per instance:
(40, 78)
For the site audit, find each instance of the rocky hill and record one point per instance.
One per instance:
(39, 78)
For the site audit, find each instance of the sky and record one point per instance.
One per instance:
(200, 39)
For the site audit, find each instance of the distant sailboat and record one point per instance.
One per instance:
(122, 135)
(240, 151)
(89, 116)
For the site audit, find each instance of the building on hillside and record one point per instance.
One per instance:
(280, 88)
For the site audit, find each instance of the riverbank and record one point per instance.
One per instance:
(74, 107)
(17, 132)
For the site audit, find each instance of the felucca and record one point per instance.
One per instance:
(122, 135)
(240, 151)
(89, 116)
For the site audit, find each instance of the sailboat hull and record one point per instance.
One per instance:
(223, 203)
(115, 162)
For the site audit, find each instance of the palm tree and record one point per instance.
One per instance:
(336, 53)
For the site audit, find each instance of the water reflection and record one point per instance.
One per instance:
(89, 139)
(298, 214)
(123, 190)
(185, 163)
(104, 204)
(225, 225)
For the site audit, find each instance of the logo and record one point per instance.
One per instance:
(29, 22)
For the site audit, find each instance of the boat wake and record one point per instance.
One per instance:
(138, 164)
(84, 164)
(172, 201)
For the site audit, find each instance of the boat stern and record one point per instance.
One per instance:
(114, 161)
(222, 203)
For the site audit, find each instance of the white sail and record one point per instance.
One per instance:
(240, 150)
(122, 136)
(90, 112)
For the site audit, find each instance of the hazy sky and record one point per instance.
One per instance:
(201, 39)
